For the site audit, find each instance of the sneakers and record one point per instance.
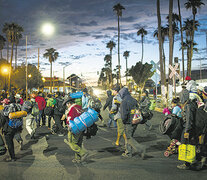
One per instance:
(10, 159)
(84, 157)
(183, 167)
(76, 161)
(126, 155)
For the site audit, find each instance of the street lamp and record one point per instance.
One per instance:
(5, 71)
(29, 76)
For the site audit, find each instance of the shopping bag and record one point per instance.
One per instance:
(187, 152)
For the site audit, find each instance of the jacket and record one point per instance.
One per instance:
(108, 101)
(116, 106)
(51, 102)
(85, 101)
(41, 102)
(128, 103)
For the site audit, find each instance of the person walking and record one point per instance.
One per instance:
(75, 141)
(41, 104)
(115, 110)
(127, 105)
(109, 105)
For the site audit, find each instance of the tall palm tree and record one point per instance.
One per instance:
(5, 30)
(126, 55)
(52, 54)
(164, 34)
(111, 45)
(142, 32)
(107, 59)
(160, 52)
(170, 21)
(118, 9)
(193, 5)
(181, 34)
(11, 31)
(188, 28)
(18, 36)
(2, 44)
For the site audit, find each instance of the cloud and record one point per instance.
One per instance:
(128, 19)
(64, 63)
(91, 23)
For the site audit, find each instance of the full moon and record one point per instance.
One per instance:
(48, 29)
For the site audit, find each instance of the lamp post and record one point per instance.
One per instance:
(5, 71)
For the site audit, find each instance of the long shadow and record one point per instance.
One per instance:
(149, 137)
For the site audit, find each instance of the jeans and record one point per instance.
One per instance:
(30, 124)
(111, 118)
(38, 118)
(131, 142)
(57, 119)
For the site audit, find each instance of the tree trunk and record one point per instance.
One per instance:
(160, 52)
(10, 71)
(7, 52)
(126, 71)
(164, 67)
(119, 51)
(170, 89)
(142, 49)
(181, 32)
(16, 57)
(111, 68)
(51, 77)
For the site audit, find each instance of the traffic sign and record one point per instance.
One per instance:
(174, 71)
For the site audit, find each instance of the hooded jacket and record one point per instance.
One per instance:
(128, 103)
(116, 106)
(108, 101)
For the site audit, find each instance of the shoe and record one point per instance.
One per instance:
(76, 161)
(83, 158)
(126, 155)
(10, 159)
(183, 167)
(21, 145)
(114, 144)
(60, 134)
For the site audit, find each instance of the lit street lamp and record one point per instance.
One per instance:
(5, 71)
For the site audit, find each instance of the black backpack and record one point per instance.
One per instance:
(59, 106)
(201, 121)
(91, 131)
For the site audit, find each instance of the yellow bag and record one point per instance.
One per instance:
(17, 114)
(187, 152)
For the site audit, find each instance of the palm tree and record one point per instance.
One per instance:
(11, 31)
(181, 34)
(5, 30)
(118, 9)
(193, 5)
(188, 28)
(171, 35)
(18, 36)
(126, 55)
(2, 44)
(160, 51)
(52, 55)
(111, 45)
(142, 32)
(164, 34)
(107, 59)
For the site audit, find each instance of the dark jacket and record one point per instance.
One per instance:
(108, 101)
(128, 103)
(59, 109)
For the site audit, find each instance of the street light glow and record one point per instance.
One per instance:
(5, 70)
(48, 29)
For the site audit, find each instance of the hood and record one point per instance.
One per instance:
(109, 93)
(191, 86)
(123, 92)
(184, 96)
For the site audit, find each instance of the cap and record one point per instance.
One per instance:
(188, 78)
(17, 96)
(33, 96)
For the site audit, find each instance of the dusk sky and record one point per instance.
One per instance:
(83, 27)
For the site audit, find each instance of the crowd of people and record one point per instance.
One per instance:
(187, 114)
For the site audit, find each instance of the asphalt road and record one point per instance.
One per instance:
(49, 157)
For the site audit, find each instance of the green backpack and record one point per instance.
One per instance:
(35, 109)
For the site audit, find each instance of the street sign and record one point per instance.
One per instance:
(174, 71)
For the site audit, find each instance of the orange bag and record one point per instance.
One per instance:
(17, 114)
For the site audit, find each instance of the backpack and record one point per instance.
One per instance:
(94, 103)
(27, 106)
(59, 106)
(13, 122)
(48, 111)
(91, 131)
(201, 121)
(35, 109)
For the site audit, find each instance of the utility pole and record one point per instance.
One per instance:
(26, 71)
(38, 67)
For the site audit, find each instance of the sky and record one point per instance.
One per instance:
(83, 28)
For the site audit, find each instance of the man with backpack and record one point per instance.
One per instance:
(127, 105)
(31, 107)
(59, 111)
(11, 127)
